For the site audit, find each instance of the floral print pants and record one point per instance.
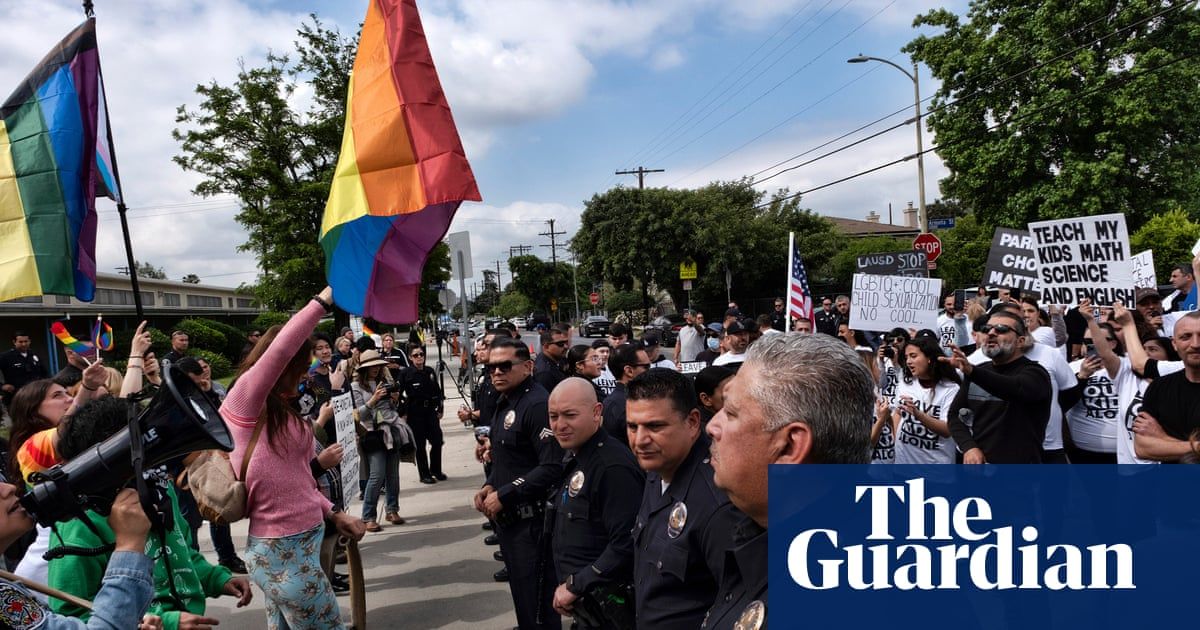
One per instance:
(288, 570)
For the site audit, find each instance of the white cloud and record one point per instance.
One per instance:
(667, 57)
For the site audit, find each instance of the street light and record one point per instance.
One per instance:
(922, 217)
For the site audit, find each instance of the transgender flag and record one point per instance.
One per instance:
(55, 159)
(402, 172)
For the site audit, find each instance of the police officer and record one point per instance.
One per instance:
(423, 401)
(548, 368)
(485, 398)
(526, 464)
(685, 522)
(595, 511)
(19, 366)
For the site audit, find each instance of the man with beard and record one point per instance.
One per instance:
(1171, 407)
(1001, 411)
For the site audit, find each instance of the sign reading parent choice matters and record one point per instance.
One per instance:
(1011, 263)
(1085, 257)
(880, 303)
(912, 263)
(343, 419)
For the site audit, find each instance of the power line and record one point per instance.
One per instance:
(641, 174)
(959, 100)
(1126, 77)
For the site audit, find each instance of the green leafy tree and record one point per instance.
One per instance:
(1110, 123)
(1171, 236)
(964, 253)
(191, 278)
(513, 304)
(540, 280)
(147, 270)
(435, 273)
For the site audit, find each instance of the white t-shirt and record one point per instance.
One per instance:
(691, 343)
(1093, 420)
(916, 443)
(663, 362)
(947, 331)
(885, 448)
(1130, 390)
(605, 381)
(729, 357)
(1061, 377)
(1045, 336)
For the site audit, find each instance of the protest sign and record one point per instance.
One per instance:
(880, 303)
(1011, 263)
(914, 263)
(343, 419)
(1143, 271)
(692, 368)
(1084, 257)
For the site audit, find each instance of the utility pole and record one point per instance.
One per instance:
(498, 283)
(553, 235)
(519, 250)
(641, 173)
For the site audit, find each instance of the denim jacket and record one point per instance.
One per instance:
(124, 596)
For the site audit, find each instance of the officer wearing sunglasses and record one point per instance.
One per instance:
(1001, 411)
(526, 464)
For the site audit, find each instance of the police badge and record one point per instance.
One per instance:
(510, 418)
(677, 520)
(752, 617)
(575, 484)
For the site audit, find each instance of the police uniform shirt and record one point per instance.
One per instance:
(596, 509)
(401, 359)
(614, 413)
(486, 399)
(420, 390)
(19, 369)
(547, 373)
(680, 540)
(526, 459)
(742, 598)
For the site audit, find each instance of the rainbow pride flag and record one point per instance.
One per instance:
(55, 159)
(402, 172)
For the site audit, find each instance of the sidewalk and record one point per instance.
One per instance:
(432, 572)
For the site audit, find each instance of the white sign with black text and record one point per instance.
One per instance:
(1143, 271)
(343, 419)
(1084, 258)
(881, 303)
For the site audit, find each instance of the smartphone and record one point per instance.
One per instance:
(960, 300)
(1091, 352)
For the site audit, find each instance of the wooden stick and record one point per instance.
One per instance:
(46, 590)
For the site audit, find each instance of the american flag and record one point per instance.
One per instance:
(800, 303)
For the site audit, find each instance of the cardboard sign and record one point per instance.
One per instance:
(914, 264)
(343, 419)
(1011, 263)
(692, 368)
(1143, 271)
(881, 303)
(1084, 257)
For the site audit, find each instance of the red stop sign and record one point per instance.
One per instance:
(594, 297)
(930, 244)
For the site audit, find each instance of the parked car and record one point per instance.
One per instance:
(595, 325)
(668, 328)
(537, 318)
(519, 322)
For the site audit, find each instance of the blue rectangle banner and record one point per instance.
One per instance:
(992, 547)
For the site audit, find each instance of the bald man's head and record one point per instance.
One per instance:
(574, 413)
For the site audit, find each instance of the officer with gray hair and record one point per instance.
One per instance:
(798, 399)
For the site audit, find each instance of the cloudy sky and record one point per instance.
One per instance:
(550, 96)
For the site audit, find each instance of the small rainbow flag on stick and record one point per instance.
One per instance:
(402, 172)
(102, 334)
(64, 336)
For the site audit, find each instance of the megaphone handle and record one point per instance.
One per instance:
(46, 590)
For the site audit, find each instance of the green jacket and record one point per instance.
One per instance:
(195, 579)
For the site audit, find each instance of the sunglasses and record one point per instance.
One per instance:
(417, 355)
(560, 344)
(999, 329)
(504, 367)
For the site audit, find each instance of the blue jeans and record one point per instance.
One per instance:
(384, 466)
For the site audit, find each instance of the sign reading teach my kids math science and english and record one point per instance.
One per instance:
(1084, 257)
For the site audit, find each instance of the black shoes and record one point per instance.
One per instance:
(234, 564)
(428, 480)
(501, 575)
(491, 539)
(498, 556)
(488, 526)
(440, 476)
(340, 583)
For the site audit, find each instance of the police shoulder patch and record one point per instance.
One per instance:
(19, 610)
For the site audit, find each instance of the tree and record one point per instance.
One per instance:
(489, 296)
(436, 273)
(147, 270)
(1171, 235)
(540, 281)
(191, 278)
(1110, 123)
(964, 253)
(248, 140)
(513, 304)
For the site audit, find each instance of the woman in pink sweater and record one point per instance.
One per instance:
(287, 512)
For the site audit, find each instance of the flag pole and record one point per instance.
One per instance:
(788, 306)
(116, 173)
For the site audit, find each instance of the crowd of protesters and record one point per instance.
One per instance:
(625, 486)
